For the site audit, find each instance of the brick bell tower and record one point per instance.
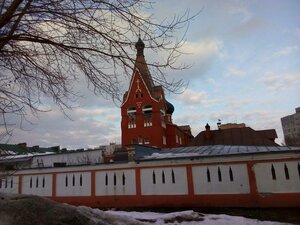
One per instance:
(146, 114)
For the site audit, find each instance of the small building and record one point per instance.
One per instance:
(291, 128)
(236, 136)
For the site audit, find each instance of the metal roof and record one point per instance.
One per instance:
(208, 150)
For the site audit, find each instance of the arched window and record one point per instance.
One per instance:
(147, 110)
(131, 112)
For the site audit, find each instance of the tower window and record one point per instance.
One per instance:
(147, 110)
(131, 112)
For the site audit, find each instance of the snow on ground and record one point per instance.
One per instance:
(189, 217)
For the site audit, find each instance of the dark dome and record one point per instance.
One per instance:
(140, 47)
(170, 108)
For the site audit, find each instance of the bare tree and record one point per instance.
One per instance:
(46, 46)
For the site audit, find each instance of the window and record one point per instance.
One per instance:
(146, 141)
(0, 183)
(43, 184)
(80, 180)
(133, 141)
(131, 112)
(115, 179)
(11, 183)
(208, 175)
(131, 124)
(173, 177)
(30, 182)
(163, 177)
(66, 181)
(286, 172)
(5, 183)
(147, 122)
(106, 179)
(299, 170)
(230, 174)
(164, 140)
(123, 179)
(147, 110)
(37, 182)
(219, 174)
(73, 180)
(153, 178)
(273, 172)
(140, 140)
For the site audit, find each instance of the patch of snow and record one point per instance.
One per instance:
(189, 217)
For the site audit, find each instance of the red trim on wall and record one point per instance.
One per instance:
(93, 183)
(54, 184)
(190, 180)
(252, 182)
(138, 181)
(221, 200)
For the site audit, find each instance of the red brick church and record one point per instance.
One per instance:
(146, 114)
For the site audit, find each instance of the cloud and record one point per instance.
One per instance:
(234, 72)
(86, 128)
(286, 51)
(194, 98)
(280, 82)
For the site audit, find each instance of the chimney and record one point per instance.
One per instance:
(208, 133)
(23, 145)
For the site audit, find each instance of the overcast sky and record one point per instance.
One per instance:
(245, 58)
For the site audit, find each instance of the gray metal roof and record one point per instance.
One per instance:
(209, 150)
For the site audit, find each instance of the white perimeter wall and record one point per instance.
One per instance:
(116, 182)
(266, 183)
(238, 185)
(37, 184)
(9, 185)
(178, 186)
(73, 184)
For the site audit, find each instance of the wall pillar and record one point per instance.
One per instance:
(190, 180)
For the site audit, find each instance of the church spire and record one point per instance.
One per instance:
(141, 65)
(140, 47)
